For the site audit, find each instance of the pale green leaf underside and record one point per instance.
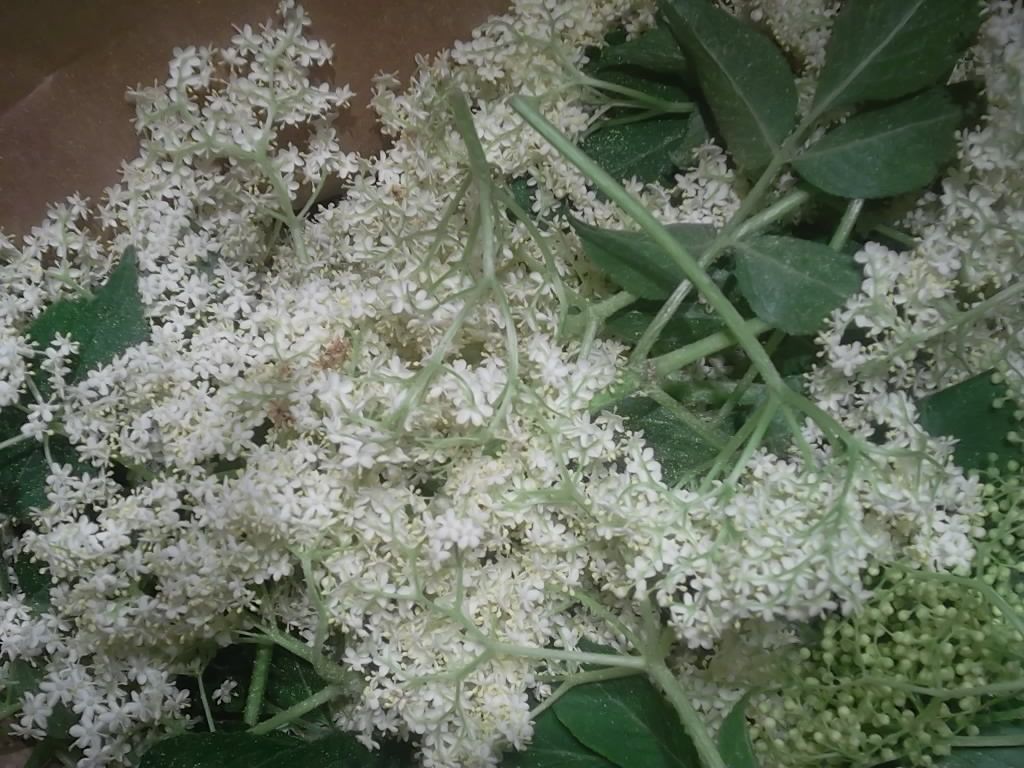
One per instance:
(794, 284)
(884, 49)
(744, 77)
(884, 152)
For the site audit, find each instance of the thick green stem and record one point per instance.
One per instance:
(601, 311)
(773, 213)
(577, 657)
(293, 713)
(665, 679)
(636, 210)
(698, 350)
(257, 685)
(326, 668)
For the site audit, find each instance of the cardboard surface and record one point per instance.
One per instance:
(65, 65)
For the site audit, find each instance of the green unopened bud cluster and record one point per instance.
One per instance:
(929, 657)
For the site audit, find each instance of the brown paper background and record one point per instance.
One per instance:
(65, 66)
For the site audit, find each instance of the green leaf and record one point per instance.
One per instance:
(885, 49)
(220, 750)
(794, 284)
(553, 746)
(677, 447)
(343, 750)
(292, 680)
(686, 326)
(887, 151)
(628, 722)
(988, 757)
(653, 84)
(104, 325)
(744, 76)
(34, 582)
(966, 411)
(640, 149)
(635, 262)
(227, 749)
(653, 51)
(23, 472)
(696, 134)
(734, 739)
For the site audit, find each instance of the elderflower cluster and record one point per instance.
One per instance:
(364, 418)
(952, 306)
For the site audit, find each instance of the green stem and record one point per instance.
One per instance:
(773, 213)
(636, 210)
(481, 174)
(581, 678)
(985, 742)
(602, 311)
(577, 657)
(257, 685)
(206, 705)
(847, 223)
(1009, 686)
(664, 678)
(639, 97)
(293, 713)
(14, 441)
(694, 424)
(331, 671)
(736, 396)
(709, 345)
(756, 437)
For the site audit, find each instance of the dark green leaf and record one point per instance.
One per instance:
(104, 325)
(628, 722)
(989, 757)
(243, 750)
(734, 739)
(221, 750)
(292, 680)
(966, 411)
(23, 472)
(884, 49)
(639, 150)
(635, 262)
(744, 77)
(677, 447)
(696, 134)
(653, 84)
(34, 582)
(794, 284)
(553, 746)
(342, 750)
(653, 51)
(685, 327)
(887, 151)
